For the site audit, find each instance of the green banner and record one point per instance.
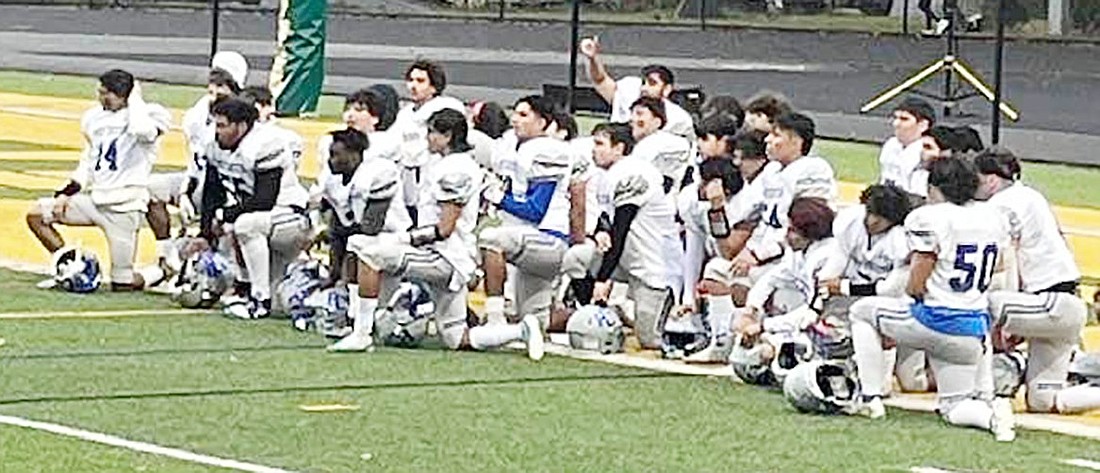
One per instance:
(298, 71)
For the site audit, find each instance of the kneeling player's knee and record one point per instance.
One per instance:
(861, 311)
(251, 225)
(1041, 395)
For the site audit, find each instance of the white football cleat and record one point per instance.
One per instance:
(872, 409)
(718, 351)
(356, 342)
(46, 283)
(532, 335)
(1004, 420)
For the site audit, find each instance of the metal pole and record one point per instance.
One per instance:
(575, 32)
(703, 15)
(948, 91)
(214, 29)
(500, 13)
(998, 73)
(905, 17)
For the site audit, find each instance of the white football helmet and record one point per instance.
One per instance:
(750, 363)
(683, 336)
(404, 321)
(1008, 372)
(1085, 368)
(821, 387)
(76, 270)
(202, 280)
(302, 279)
(596, 328)
(328, 312)
(791, 350)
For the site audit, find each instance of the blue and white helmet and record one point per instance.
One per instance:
(1008, 372)
(821, 387)
(76, 270)
(205, 276)
(1085, 368)
(404, 321)
(596, 328)
(328, 312)
(302, 279)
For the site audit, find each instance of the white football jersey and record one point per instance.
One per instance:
(1043, 256)
(671, 154)
(628, 89)
(291, 190)
(375, 179)
(198, 130)
(539, 160)
(382, 144)
(808, 176)
(653, 233)
(411, 124)
(120, 150)
(262, 148)
(585, 170)
(967, 241)
(899, 164)
(455, 178)
(869, 258)
(799, 271)
(746, 205)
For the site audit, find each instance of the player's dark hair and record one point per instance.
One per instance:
(751, 144)
(655, 106)
(944, 136)
(388, 102)
(919, 108)
(436, 77)
(365, 98)
(491, 119)
(118, 82)
(956, 179)
(222, 78)
(726, 105)
(663, 73)
(235, 110)
(540, 105)
(352, 139)
(770, 104)
(968, 139)
(887, 201)
(812, 218)
(998, 161)
(453, 122)
(722, 168)
(720, 125)
(800, 125)
(257, 94)
(565, 122)
(617, 133)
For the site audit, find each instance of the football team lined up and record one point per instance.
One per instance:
(714, 236)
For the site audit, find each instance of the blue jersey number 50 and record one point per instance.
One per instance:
(984, 265)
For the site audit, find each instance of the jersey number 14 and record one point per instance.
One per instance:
(974, 264)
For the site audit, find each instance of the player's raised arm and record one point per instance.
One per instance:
(597, 72)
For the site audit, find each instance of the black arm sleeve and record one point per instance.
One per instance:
(620, 227)
(70, 189)
(862, 290)
(265, 192)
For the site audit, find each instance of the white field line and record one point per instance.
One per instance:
(143, 447)
(1092, 465)
(928, 469)
(97, 314)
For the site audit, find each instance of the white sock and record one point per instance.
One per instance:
(983, 383)
(971, 413)
(257, 257)
(889, 365)
(364, 320)
(721, 314)
(869, 357)
(491, 336)
(354, 301)
(494, 310)
(166, 249)
(1080, 398)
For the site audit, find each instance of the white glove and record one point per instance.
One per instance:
(188, 214)
(492, 190)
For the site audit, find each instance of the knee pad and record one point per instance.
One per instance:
(493, 239)
(1041, 395)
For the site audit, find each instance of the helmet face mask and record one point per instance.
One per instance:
(302, 281)
(403, 323)
(203, 279)
(821, 387)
